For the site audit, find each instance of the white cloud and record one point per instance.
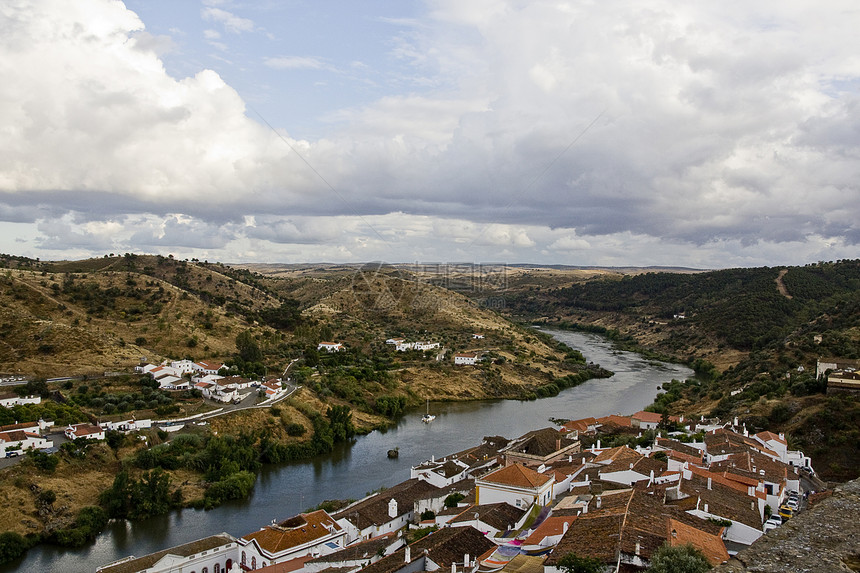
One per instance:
(232, 23)
(728, 136)
(295, 63)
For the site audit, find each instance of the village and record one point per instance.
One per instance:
(525, 504)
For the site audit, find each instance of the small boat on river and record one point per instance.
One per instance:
(428, 417)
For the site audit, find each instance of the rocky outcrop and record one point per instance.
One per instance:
(825, 538)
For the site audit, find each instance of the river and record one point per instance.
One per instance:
(351, 471)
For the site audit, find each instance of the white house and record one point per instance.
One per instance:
(330, 346)
(305, 535)
(517, 485)
(183, 366)
(215, 554)
(127, 426)
(465, 359)
(208, 366)
(441, 473)
(90, 431)
(9, 399)
(15, 442)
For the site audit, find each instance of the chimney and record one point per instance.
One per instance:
(709, 483)
(564, 527)
(706, 508)
(453, 567)
(569, 458)
(599, 501)
(392, 508)
(557, 444)
(636, 551)
(465, 560)
(408, 557)
(598, 443)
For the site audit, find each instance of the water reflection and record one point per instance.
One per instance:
(352, 471)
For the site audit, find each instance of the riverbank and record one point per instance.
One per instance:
(352, 469)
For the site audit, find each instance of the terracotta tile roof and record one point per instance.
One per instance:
(299, 530)
(644, 416)
(726, 502)
(624, 421)
(13, 436)
(678, 446)
(552, 525)
(768, 436)
(591, 535)
(621, 453)
(518, 476)
(21, 426)
(444, 547)
(374, 510)
(501, 516)
(364, 550)
(711, 545)
(185, 550)
(580, 426)
(541, 442)
(285, 566)
(84, 430)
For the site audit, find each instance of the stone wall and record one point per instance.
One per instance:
(824, 538)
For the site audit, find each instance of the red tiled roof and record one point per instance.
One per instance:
(518, 476)
(299, 530)
(623, 421)
(768, 436)
(553, 525)
(711, 545)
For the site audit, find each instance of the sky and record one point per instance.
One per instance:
(632, 132)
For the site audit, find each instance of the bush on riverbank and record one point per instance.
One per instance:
(12, 546)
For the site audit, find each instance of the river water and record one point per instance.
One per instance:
(351, 471)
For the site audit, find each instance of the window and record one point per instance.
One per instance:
(244, 559)
(217, 568)
(205, 570)
(253, 562)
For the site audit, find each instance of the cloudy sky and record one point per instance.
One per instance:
(632, 132)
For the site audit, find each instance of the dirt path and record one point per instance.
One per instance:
(780, 286)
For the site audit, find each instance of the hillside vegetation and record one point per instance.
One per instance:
(755, 332)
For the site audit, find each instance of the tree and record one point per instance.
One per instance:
(679, 559)
(573, 563)
(248, 348)
(12, 546)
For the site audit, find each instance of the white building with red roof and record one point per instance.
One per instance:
(465, 359)
(208, 366)
(15, 442)
(517, 485)
(90, 431)
(330, 346)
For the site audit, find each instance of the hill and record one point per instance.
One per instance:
(754, 335)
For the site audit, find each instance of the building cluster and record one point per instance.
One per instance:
(204, 376)
(843, 375)
(524, 504)
(16, 439)
(9, 399)
(402, 345)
